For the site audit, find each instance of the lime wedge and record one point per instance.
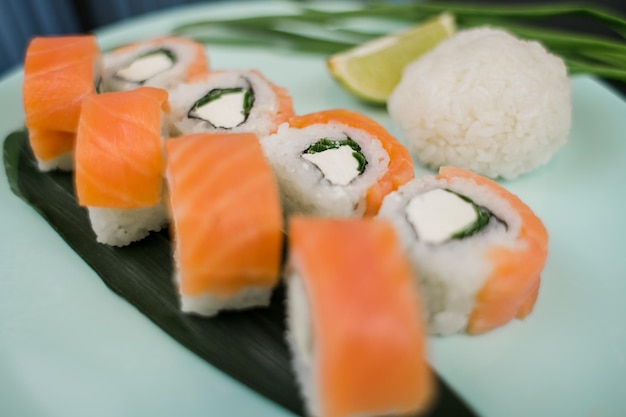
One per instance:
(372, 70)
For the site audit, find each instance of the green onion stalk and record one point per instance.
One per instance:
(331, 30)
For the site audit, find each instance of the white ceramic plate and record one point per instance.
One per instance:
(70, 347)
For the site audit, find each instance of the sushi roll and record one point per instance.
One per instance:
(478, 250)
(59, 72)
(229, 101)
(161, 62)
(354, 321)
(119, 164)
(336, 163)
(227, 222)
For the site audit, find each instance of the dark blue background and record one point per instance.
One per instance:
(22, 19)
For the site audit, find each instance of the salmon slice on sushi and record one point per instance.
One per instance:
(477, 248)
(119, 164)
(59, 72)
(336, 163)
(229, 102)
(226, 222)
(354, 320)
(162, 62)
(53, 149)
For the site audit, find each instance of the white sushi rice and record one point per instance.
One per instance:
(114, 61)
(299, 338)
(260, 119)
(64, 162)
(208, 305)
(302, 185)
(486, 101)
(120, 227)
(451, 274)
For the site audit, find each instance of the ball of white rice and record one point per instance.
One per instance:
(486, 101)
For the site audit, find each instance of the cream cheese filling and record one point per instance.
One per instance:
(226, 111)
(338, 165)
(146, 67)
(437, 215)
